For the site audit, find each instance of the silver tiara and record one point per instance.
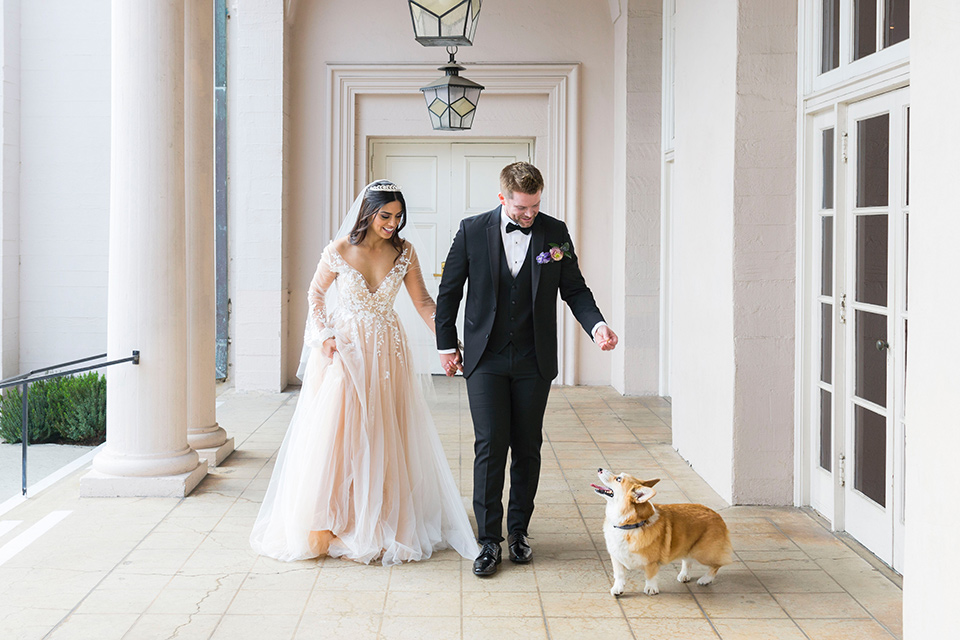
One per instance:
(384, 187)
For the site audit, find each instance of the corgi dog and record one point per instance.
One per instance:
(640, 534)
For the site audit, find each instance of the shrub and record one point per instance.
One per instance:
(65, 410)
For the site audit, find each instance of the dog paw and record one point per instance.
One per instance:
(705, 580)
(651, 589)
(617, 589)
(683, 577)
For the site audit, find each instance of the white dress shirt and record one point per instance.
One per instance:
(515, 245)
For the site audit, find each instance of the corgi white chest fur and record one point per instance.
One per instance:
(618, 546)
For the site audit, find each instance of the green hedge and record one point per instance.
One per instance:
(70, 410)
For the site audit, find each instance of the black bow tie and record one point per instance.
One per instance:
(511, 227)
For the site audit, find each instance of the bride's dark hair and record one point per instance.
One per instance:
(373, 201)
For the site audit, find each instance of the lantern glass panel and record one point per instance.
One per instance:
(438, 107)
(473, 95)
(472, 21)
(456, 92)
(462, 106)
(454, 23)
(467, 121)
(424, 22)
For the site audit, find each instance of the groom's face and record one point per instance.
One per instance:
(522, 208)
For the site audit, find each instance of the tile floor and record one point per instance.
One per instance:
(155, 568)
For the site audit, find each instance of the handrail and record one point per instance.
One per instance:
(24, 380)
(56, 366)
(19, 380)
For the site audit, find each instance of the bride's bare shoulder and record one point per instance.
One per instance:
(340, 245)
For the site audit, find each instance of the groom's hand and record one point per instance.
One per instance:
(451, 363)
(605, 338)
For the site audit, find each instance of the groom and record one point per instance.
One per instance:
(516, 260)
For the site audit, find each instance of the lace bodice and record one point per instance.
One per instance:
(359, 304)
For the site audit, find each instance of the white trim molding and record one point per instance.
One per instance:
(559, 151)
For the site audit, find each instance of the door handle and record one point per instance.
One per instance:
(440, 275)
(882, 345)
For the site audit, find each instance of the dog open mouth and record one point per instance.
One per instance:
(604, 491)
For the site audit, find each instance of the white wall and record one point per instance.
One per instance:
(10, 189)
(932, 554)
(702, 289)
(379, 31)
(64, 179)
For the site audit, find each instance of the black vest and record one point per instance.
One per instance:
(514, 319)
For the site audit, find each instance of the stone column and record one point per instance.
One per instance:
(203, 432)
(146, 453)
(764, 252)
(635, 313)
(256, 95)
(10, 189)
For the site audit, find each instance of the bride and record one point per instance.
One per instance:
(361, 473)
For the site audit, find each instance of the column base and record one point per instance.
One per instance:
(97, 484)
(207, 437)
(216, 455)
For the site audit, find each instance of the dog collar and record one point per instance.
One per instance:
(635, 525)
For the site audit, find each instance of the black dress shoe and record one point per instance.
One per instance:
(520, 551)
(486, 563)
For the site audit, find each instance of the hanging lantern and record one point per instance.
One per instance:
(440, 23)
(452, 100)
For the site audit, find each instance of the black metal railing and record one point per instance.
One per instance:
(25, 379)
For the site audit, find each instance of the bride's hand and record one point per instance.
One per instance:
(328, 347)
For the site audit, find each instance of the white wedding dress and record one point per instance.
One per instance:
(361, 472)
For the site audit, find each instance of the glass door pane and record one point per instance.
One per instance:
(864, 28)
(896, 21)
(826, 430)
(870, 455)
(873, 161)
(826, 256)
(872, 242)
(826, 163)
(871, 357)
(830, 36)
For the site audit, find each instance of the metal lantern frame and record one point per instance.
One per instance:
(449, 23)
(452, 100)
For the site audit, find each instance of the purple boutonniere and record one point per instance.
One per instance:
(555, 254)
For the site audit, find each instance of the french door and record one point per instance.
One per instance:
(858, 418)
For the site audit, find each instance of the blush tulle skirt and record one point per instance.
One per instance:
(361, 473)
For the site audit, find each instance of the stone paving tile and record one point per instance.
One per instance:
(157, 568)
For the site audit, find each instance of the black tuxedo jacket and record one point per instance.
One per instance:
(475, 257)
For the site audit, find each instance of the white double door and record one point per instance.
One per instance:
(859, 318)
(444, 182)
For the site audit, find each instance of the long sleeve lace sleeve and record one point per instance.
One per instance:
(317, 330)
(417, 289)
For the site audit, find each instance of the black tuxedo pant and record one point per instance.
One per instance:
(507, 401)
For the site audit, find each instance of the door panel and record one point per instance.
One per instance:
(822, 152)
(872, 267)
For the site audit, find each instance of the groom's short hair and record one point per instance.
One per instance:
(522, 177)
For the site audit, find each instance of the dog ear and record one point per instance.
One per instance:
(650, 483)
(642, 494)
